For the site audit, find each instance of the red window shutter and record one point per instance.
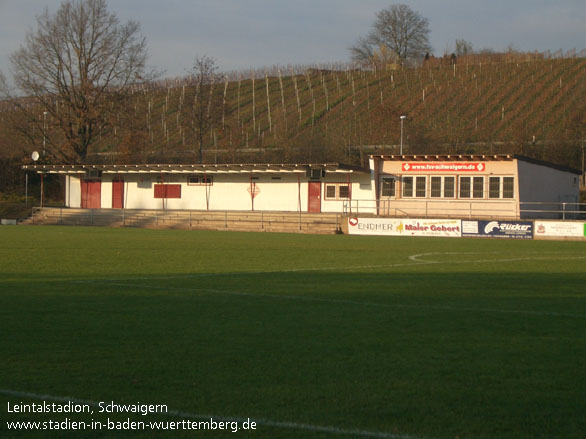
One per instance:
(173, 191)
(167, 191)
(160, 191)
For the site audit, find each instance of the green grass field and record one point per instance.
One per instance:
(309, 336)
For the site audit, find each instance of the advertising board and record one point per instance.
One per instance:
(404, 227)
(559, 228)
(498, 229)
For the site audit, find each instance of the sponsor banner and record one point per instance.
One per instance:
(558, 228)
(404, 227)
(498, 229)
(443, 167)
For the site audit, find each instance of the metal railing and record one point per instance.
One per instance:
(466, 209)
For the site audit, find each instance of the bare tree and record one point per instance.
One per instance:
(397, 28)
(204, 105)
(76, 68)
(463, 47)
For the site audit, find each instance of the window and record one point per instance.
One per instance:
(420, 187)
(200, 180)
(494, 187)
(472, 187)
(331, 191)
(414, 187)
(508, 187)
(449, 187)
(436, 187)
(465, 187)
(442, 187)
(501, 187)
(478, 187)
(387, 187)
(167, 191)
(407, 186)
(168, 178)
(337, 191)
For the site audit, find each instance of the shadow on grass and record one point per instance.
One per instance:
(426, 354)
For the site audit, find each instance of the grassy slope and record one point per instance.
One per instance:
(480, 350)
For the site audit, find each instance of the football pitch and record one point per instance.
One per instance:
(305, 336)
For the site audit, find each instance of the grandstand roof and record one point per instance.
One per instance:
(295, 168)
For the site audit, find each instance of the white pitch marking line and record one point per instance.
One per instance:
(414, 258)
(417, 258)
(259, 421)
(246, 273)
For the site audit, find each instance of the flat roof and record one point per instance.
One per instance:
(445, 157)
(272, 168)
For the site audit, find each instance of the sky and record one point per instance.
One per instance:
(246, 34)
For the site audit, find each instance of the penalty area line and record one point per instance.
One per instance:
(259, 421)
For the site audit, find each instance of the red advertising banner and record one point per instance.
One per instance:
(443, 167)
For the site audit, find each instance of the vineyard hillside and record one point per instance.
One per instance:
(527, 105)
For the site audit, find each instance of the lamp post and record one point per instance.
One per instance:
(583, 174)
(402, 119)
(44, 131)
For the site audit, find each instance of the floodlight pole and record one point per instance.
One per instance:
(583, 174)
(402, 119)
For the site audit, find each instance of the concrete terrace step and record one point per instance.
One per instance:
(291, 222)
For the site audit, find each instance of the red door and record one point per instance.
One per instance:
(118, 194)
(314, 197)
(91, 194)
